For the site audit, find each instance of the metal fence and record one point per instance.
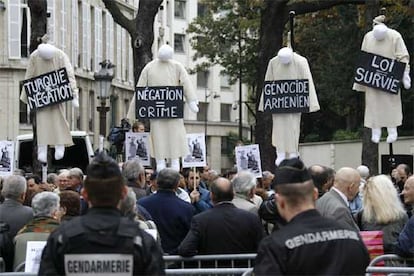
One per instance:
(390, 264)
(224, 264)
(242, 264)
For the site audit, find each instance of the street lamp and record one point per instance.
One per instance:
(104, 78)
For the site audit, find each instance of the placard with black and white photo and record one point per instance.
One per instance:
(197, 148)
(6, 158)
(137, 146)
(248, 158)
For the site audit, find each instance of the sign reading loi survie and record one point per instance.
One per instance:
(157, 102)
(286, 96)
(48, 89)
(379, 72)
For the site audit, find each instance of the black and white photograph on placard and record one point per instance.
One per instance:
(6, 158)
(137, 146)
(197, 151)
(248, 158)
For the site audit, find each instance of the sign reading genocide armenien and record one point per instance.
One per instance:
(48, 89)
(286, 96)
(379, 72)
(157, 102)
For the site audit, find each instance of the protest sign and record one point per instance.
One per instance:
(248, 158)
(48, 89)
(286, 96)
(379, 72)
(137, 146)
(6, 158)
(157, 102)
(33, 256)
(197, 148)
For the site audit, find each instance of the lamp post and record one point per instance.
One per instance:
(104, 79)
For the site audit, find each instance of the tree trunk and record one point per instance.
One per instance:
(141, 31)
(38, 25)
(271, 38)
(369, 155)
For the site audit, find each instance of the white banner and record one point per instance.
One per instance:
(137, 147)
(6, 158)
(197, 148)
(248, 158)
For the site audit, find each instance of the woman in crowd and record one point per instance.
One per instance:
(382, 210)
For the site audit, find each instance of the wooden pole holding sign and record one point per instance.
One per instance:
(194, 179)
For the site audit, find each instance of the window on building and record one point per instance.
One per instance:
(18, 19)
(201, 9)
(126, 107)
(202, 78)
(202, 112)
(77, 111)
(225, 145)
(24, 117)
(224, 81)
(24, 34)
(91, 111)
(179, 40)
(180, 9)
(114, 110)
(225, 110)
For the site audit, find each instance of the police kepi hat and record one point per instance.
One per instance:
(291, 171)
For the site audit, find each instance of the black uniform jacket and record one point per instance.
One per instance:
(312, 245)
(101, 241)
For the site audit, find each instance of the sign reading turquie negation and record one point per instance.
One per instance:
(48, 89)
(158, 102)
(286, 96)
(379, 72)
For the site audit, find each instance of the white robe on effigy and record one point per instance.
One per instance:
(52, 127)
(167, 136)
(383, 109)
(286, 126)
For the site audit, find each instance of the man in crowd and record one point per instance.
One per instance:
(200, 197)
(335, 203)
(400, 175)
(244, 184)
(405, 242)
(320, 178)
(309, 244)
(223, 229)
(102, 239)
(46, 217)
(12, 210)
(134, 173)
(171, 214)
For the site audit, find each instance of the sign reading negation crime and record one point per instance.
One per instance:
(379, 72)
(286, 96)
(157, 102)
(48, 89)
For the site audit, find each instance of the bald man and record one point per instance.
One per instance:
(223, 229)
(335, 203)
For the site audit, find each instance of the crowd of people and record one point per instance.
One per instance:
(122, 217)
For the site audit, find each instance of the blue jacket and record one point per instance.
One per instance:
(172, 216)
(205, 202)
(405, 243)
